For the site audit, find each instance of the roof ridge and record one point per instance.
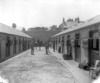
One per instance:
(92, 18)
(8, 29)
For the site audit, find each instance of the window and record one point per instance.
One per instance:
(95, 40)
(95, 44)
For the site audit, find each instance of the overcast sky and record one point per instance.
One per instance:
(32, 13)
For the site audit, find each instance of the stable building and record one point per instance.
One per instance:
(81, 42)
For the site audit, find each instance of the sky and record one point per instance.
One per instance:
(33, 13)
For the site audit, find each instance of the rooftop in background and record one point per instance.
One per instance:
(41, 33)
(38, 29)
(9, 30)
(89, 22)
(70, 23)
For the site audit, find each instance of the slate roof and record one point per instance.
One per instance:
(9, 30)
(89, 22)
(71, 24)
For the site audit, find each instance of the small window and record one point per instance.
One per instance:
(95, 44)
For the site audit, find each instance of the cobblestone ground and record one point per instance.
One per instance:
(38, 68)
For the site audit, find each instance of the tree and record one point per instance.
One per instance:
(23, 30)
(14, 25)
(44, 28)
(53, 28)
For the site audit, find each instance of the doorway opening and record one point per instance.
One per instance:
(93, 48)
(77, 47)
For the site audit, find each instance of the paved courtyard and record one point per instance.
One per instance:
(38, 68)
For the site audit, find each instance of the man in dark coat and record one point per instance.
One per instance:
(47, 47)
(32, 46)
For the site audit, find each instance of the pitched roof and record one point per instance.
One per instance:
(70, 24)
(89, 22)
(9, 30)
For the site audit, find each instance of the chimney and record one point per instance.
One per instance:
(77, 19)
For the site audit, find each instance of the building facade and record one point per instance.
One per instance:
(81, 42)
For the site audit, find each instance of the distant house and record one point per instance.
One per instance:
(38, 29)
(69, 23)
(41, 33)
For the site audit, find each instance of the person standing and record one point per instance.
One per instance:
(40, 43)
(49, 44)
(46, 47)
(32, 47)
